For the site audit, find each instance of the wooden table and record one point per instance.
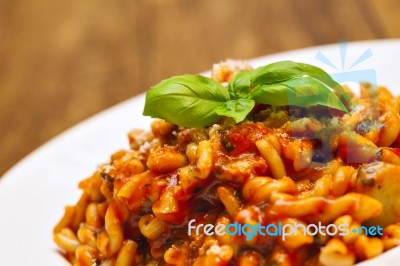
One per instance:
(63, 61)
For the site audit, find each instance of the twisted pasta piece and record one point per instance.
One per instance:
(389, 155)
(67, 240)
(191, 175)
(110, 240)
(161, 128)
(390, 118)
(231, 202)
(94, 217)
(240, 168)
(224, 239)
(177, 255)
(204, 160)
(87, 236)
(336, 253)
(348, 239)
(368, 247)
(74, 215)
(272, 157)
(280, 256)
(170, 207)
(250, 216)
(294, 240)
(259, 189)
(250, 258)
(86, 256)
(123, 165)
(354, 148)
(365, 247)
(126, 254)
(215, 256)
(359, 206)
(165, 159)
(151, 227)
(391, 236)
(322, 187)
(133, 197)
(300, 152)
(342, 180)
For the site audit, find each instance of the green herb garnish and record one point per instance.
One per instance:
(197, 101)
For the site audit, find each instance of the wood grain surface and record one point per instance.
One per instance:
(63, 61)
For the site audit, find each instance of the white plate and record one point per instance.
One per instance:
(34, 192)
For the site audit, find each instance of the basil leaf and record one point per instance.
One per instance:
(237, 109)
(284, 70)
(299, 91)
(187, 100)
(239, 86)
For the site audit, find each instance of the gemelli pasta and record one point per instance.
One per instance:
(280, 171)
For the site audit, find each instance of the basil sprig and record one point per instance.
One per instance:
(188, 100)
(197, 101)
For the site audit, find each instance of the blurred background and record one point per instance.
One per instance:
(63, 61)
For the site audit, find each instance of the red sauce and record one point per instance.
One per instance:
(243, 137)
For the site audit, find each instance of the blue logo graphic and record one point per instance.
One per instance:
(343, 76)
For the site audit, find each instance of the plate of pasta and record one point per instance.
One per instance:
(287, 159)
